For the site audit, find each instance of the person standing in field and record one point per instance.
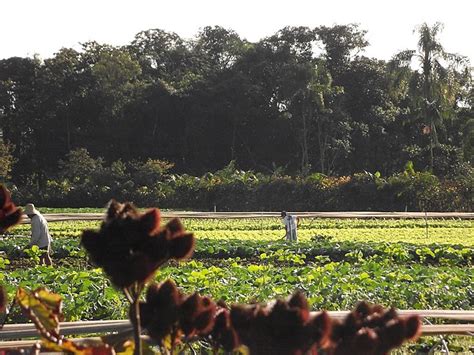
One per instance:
(291, 226)
(39, 233)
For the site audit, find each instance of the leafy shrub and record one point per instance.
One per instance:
(79, 165)
(229, 189)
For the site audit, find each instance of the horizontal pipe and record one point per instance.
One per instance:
(30, 330)
(18, 331)
(426, 330)
(430, 313)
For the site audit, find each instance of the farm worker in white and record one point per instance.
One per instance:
(291, 225)
(39, 233)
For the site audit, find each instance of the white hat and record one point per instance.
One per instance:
(30, 209)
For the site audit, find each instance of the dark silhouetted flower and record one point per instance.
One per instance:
(9, 213)
(197, 315)
(160, 313)
(284, 327)
(372, 330)
(130, 245)
(223, 334)
(167, 312)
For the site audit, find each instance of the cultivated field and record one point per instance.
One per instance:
(408, 264)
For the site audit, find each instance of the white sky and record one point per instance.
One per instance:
(44, 26)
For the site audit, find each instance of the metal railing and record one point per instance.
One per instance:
(11, 335)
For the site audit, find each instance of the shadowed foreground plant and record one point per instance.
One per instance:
(372, 330)
(284, 327)
(223, 334)
(169, 315)
(280, 327)
(10, 215)
(130, 246)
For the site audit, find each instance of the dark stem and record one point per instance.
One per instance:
(135, 296)
(128, 295)
(138, 327)
(173, 340)
(191, 348)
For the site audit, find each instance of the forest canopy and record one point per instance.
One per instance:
(302, 100)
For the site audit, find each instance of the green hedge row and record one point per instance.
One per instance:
(245, 191)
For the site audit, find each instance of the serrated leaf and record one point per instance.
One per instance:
(44, 309)
(51, 300)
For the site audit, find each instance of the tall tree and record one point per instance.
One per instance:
(162, 55)
(62, 78)
(218, 48)
(341, 43)
(442, 74)
(116, 75)
(332, 123)
(297, 89)
(376, 137)
(19, 113)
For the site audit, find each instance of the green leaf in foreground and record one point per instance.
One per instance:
(44, 309)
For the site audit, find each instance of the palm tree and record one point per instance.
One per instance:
(442, 79)
(439, 80)
(430, 53)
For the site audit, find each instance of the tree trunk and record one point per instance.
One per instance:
(234, 139)
(305, 112)
(427, 94)
(68, 133)
(320, 144)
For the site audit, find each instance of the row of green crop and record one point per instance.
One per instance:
(330, 285)
(258, 224)
(402, 253)
(270, 229)
(248, 224)
(446, 236)
(319, 247)
(401, 235)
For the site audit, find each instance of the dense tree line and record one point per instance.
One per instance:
(302, 100)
